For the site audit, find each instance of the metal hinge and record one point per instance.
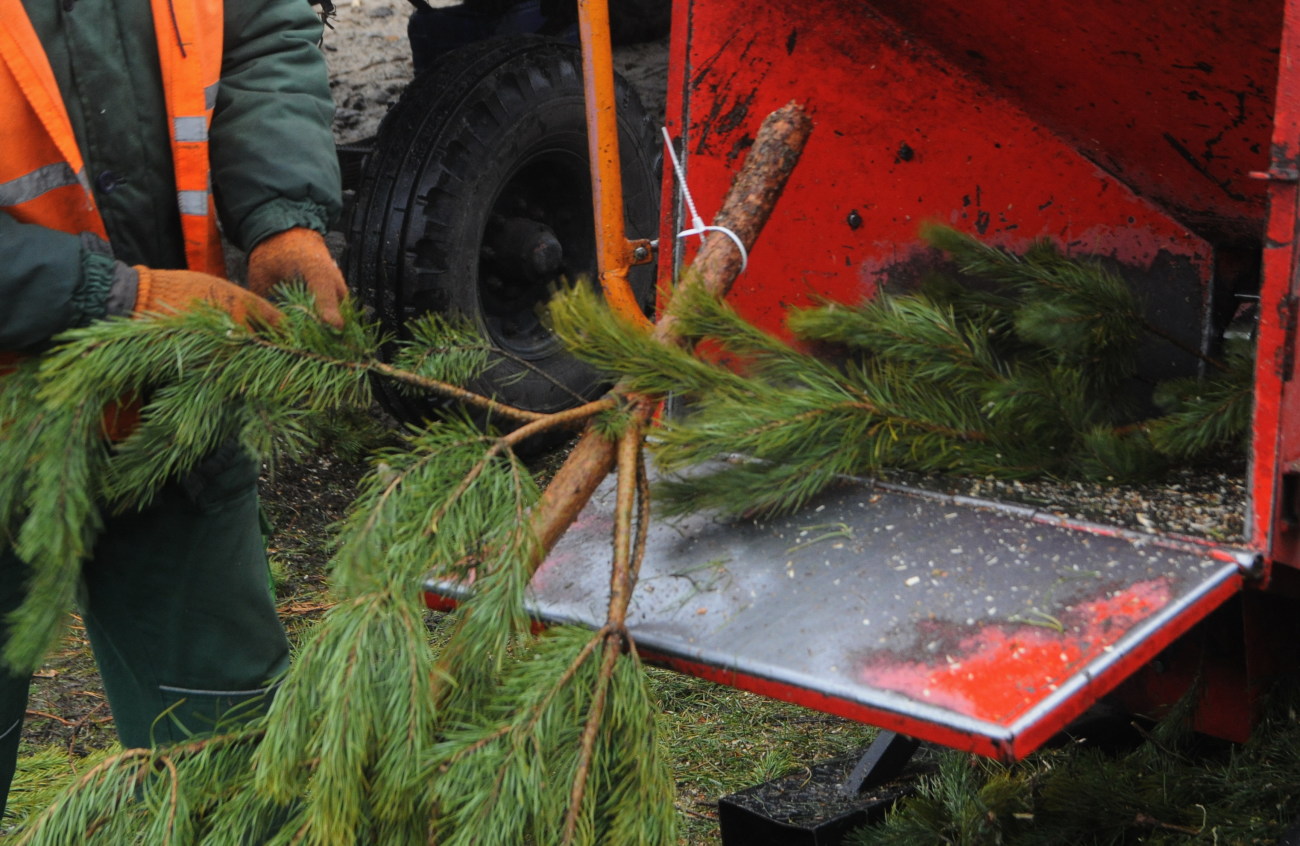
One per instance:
(1290, 308)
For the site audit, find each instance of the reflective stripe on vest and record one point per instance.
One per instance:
(32, 186)
(42, 179)
(42, 175)
(189, 50)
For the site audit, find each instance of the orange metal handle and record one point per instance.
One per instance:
(613, 250)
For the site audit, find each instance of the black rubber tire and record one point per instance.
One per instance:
(493, 128)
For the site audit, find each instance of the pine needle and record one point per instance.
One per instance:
(509, 777)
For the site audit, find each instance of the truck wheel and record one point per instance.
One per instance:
(475, 202)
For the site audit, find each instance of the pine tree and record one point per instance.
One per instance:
(1015, 376)
(373, 735)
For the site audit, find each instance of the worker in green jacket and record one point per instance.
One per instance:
(175, 597)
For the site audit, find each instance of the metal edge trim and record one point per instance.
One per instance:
(1121, 649)
(907, 707)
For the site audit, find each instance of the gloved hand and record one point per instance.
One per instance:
(177, 290)
(299, 253)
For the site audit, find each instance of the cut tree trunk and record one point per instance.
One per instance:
(745, 210)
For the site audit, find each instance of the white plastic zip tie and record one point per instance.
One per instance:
(697, 223)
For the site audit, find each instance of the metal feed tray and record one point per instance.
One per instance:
(978, 625)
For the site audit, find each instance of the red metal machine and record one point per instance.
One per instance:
(1162, 136)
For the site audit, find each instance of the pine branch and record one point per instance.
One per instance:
(1078, 309)
(151, 796)
(529, 731)
(454, 393)
(225, 381)
(1201, 416)
(922, 333)
(622, 577)
(61, 522)
(97, 796)
(931, 383)
(621, 574)
(587, 743)
(614, 345)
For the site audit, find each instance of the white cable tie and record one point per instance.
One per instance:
(735, 239)
(698, 227)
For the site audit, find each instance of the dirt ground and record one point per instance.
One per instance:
(370, 65)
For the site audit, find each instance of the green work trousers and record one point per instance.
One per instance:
(177, 605)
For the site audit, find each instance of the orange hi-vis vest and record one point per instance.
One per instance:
(42, 175)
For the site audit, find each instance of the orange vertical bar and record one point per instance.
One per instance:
(613, 253)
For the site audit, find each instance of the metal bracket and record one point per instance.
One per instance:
(1276, 174)
(1290, 313)
(883, 761)
(641, 250)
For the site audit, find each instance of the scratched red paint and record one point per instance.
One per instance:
(918, 138)
(1276, 429)
(999, 671)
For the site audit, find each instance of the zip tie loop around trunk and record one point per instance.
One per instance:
(698, 226)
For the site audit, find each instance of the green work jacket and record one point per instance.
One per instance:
(273, 162)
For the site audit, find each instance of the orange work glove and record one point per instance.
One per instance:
(299, 254)
(177, 290)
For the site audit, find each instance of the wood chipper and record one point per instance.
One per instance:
(1162, 137)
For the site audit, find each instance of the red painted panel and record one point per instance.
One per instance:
(1100, 124)
(1173, 97)
(1107, 680)
(1116, 130)
(998, 672)
(900, 136)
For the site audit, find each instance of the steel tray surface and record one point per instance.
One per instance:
(979, 625)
